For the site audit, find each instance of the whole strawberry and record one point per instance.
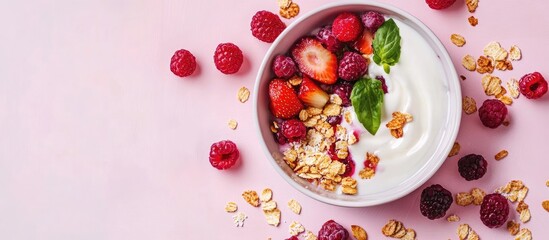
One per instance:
(228, 58)
(440, 4)
(266, 26)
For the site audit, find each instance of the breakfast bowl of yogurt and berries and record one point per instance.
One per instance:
(357, 103)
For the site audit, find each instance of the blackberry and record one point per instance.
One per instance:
(435, 201)
(472, 167)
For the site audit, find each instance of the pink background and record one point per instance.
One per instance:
(101, 141)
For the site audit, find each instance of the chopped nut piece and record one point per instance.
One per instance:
(471, 5)
(545, 205)
(547, 183)
(269, 206)
(232, 124)
(266, 195)
(524, 234)
(272, 217)
(469, 105)
(453, 218)
(457, 40)
(469, 63)
(295, 80)
(296, 228)
(464, 199)
(473, 20)
(231, 207)
(239, 219)
(243, 94)
(290, 12)
(251, 198)
(478, 195)
(513, 87)
(359, 233)
(513, 227)
(294, 206)
(501, 155)
(455, 150)
(514, 53)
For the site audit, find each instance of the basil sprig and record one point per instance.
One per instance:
(387, 45)
(367, 100)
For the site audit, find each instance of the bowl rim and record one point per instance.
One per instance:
(454, 82)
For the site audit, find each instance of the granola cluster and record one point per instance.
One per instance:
(309, 158)
(288, 8)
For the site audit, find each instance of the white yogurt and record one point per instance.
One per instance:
(416, 85)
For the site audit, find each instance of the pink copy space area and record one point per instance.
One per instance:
(101, 141)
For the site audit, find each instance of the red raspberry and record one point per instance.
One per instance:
(328, 40)
(383, 84)
(331, 230)
(266, 26)
(284, 66)
(347, 27)
(439, 4)
(343, 89)
(372, 20)
(294, 130)
(492, 113)
(292, 238)
(494, 210)
(472, 167)
(352, 66)
(223, 154)
(533, 85)
(228, 58)
(435, 201)
(183, 63)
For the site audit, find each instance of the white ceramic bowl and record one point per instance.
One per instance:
(303, 26)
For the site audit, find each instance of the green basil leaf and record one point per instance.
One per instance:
(367, 100)
(387, 45)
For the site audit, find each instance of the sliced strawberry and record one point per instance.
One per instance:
(364, 43)
(284, 101)
(311, 94)
(315, 61)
